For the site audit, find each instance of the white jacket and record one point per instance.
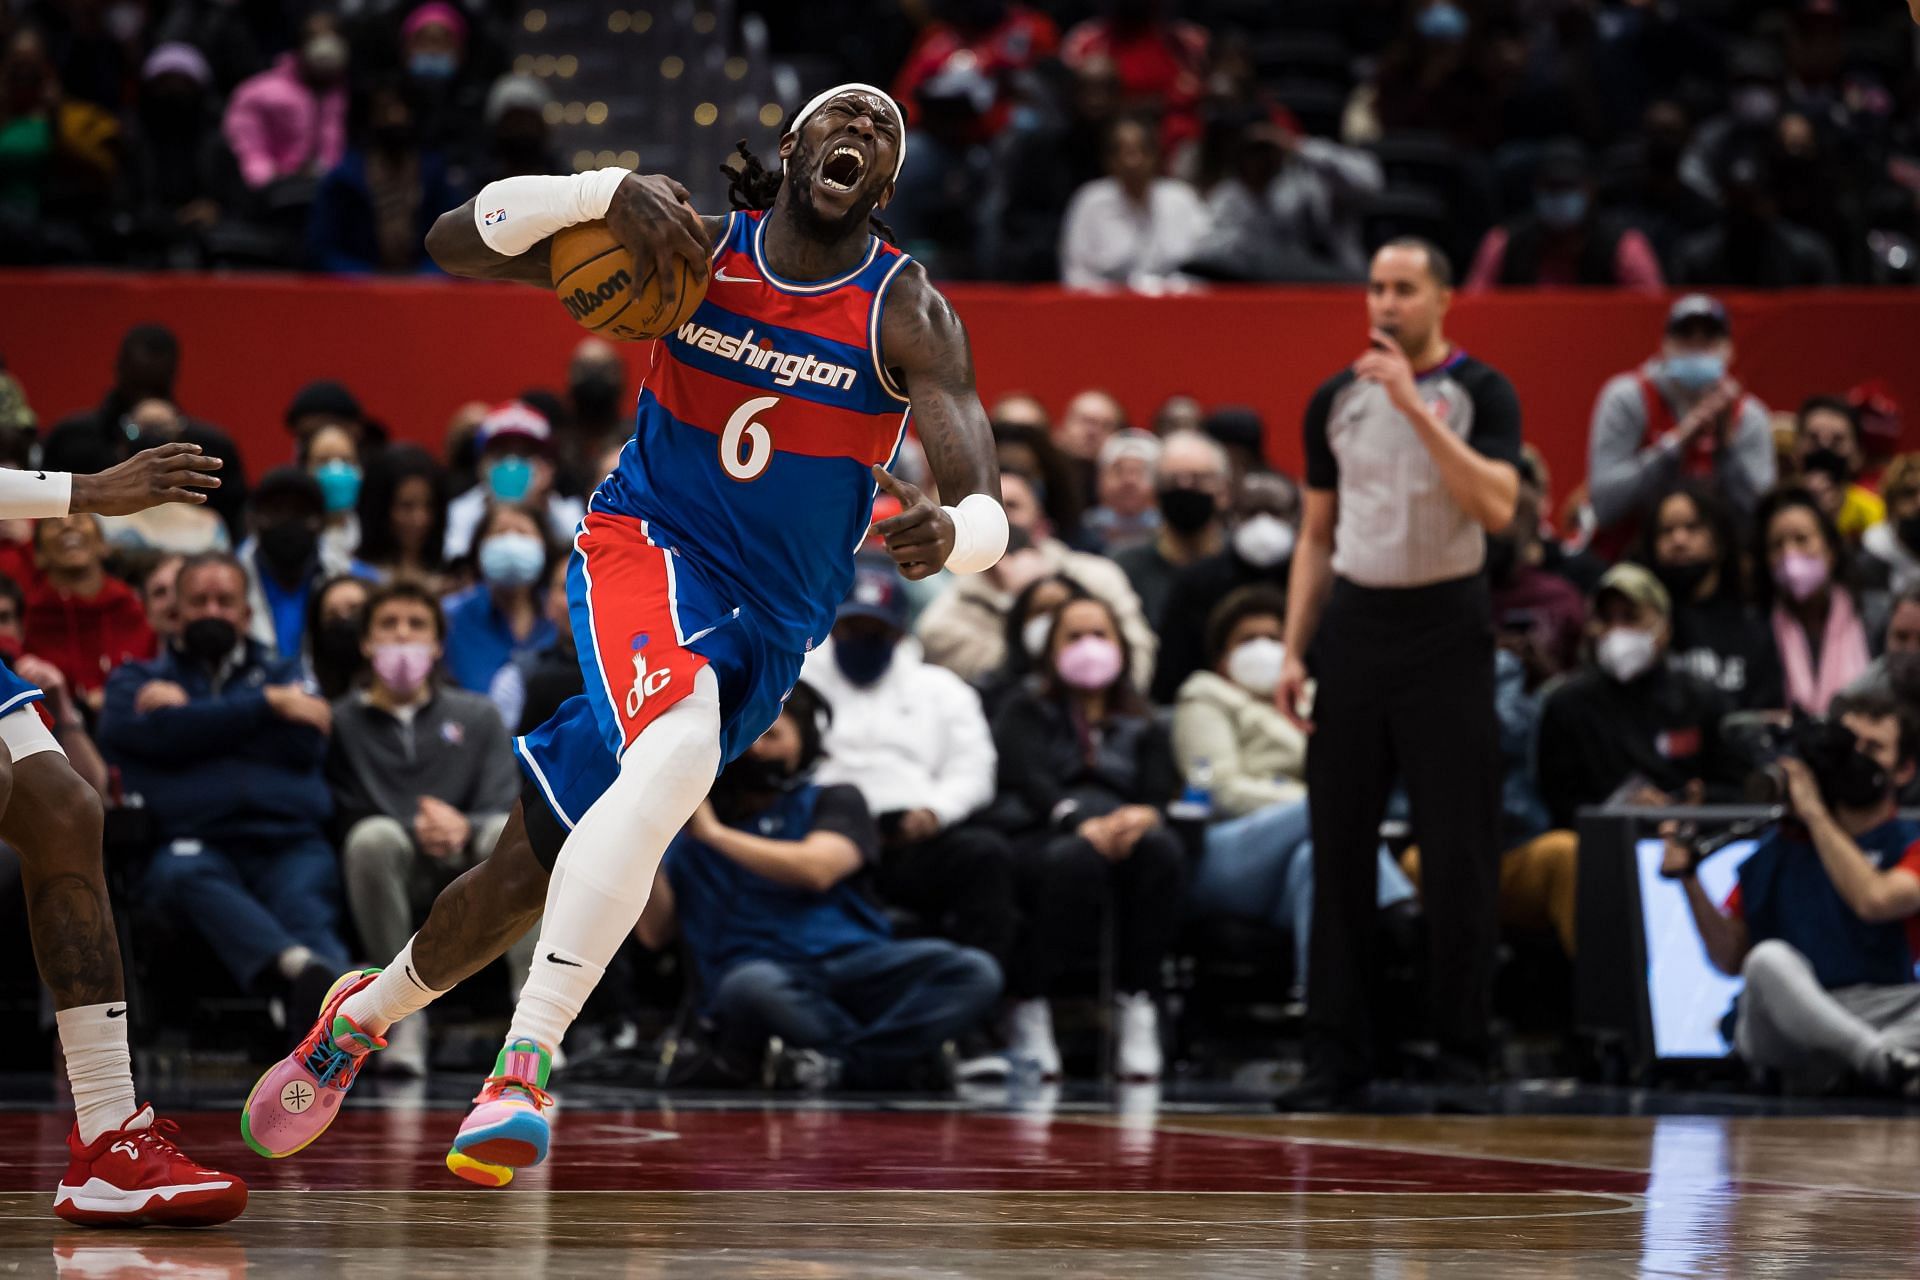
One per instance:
(915, 739)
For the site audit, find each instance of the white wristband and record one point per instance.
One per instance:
(34, 495)
(515, 214)
(979, 534)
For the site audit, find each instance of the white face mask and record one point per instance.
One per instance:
(1626, 653)
(1263, 540)
(1033, 636)
(1255, 664)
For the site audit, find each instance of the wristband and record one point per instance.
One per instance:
(34, 495)
(515, 214)
(979, 533)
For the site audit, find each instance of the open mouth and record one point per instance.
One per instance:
(842, 168)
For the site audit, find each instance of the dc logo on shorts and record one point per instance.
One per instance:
(645, 685)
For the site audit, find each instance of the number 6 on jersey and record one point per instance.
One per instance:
(759, 441)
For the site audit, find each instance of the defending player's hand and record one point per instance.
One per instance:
(653, 216)
(920, 538)
(176, 472)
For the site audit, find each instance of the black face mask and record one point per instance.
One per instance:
(1682, 580)
(336, 646)
(1187, 510)
(1829, 461)
(595, 399)
(863, 659)
(1909, 531)
(1503, 557)
(1903, 673)
(747, 786)
(208, 640)
(288, 548)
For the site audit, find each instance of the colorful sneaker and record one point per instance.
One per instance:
(506, 1131)
(298, 1097)
(134, 1175)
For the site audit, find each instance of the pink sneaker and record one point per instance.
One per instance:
(298, 1097)
(507, 1131)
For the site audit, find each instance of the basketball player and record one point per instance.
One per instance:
(708, 564)
(123, 1168)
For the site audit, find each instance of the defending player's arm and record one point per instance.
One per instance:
(176, 472)
(926, 344)
(504, 233)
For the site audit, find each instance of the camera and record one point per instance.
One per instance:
(1845, 775)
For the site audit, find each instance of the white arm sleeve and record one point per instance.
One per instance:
(979, 534)
(31, 495)
(515, 214)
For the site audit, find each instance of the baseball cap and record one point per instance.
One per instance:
(877, 592)
(1698, 308)
(1637, 585)
(514, 418)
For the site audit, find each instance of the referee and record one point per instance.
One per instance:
(1411, 460)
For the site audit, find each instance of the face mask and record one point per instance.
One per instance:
(1909, 531)
(1255, 664)
(208, 640)
(595, 398)
(1187, 510)
(747, 774)
(1696, 372)
(863, 659)
(1561, 209)
(1827, 460)
(1755, 104)
(337, 645)
(1090, 663)
(1800, 575)
(402, 667)
(1625, 653)
(1903, 673)
(1263, 540)
(339, 482)
(508, 479)
(512, 560)
(288, 548)
(1442, 22)
(432, 65)
(1682, 580)
(1034, 635)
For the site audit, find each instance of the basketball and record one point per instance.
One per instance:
(594, 275)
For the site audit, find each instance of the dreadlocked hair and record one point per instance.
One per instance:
(752, 185)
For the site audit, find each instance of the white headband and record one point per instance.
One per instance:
(806, 113)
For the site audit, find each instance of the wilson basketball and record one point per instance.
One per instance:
(597, 283)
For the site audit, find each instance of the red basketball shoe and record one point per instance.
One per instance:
(134, 1175)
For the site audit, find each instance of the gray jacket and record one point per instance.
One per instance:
(454, 749)
(1626, 472)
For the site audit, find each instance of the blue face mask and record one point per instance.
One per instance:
(512, 560)
(1442, 22)
(339, 482)
(1561, 209)
(428, 65)
(510, 478)
(1695, 372)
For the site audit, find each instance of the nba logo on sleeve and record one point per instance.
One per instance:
(497, 216)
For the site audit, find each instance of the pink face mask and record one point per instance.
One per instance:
(403, 667)
(1090, 663)
(1800, 575)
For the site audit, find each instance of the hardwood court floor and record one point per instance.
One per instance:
(780, 1190)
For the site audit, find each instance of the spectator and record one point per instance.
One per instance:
(534, 685)
(1046, 155)
(1647, 188)
(1090, 421)
(1240, 431)
(160, 599)
(519, 142)
(1131, 229)
(912, 738)
(373, 210)
(1753, 247)
(285, 558)
(1233, 743)
(978, 45)
(422, 780)
(62, 159)
(145, 368)
(1177, 413)
(1679, 414)
(1539, 615)
(1564, 240)
(1259, 550)
(226, 748)
(331, 456)
(335, 625)
(1434, 76)
(1028, 449)
(602, 413)
(1286, 206)
(1828, 454)
(1084, 770)
(1692, 547)
(79, 619)
(403, 515)
(433, 59)
(766, 883)
(1821, 628)
(182, 527)
(1896, 672)
(964, 629)
(323, 403)
(515, 449)
(1893, 544)
(183, 179)
(500, 617)
(1629, 726)
(290, 121)
(1191, 495)
(1817, 925)
(1160, 62)
(1027, 625)
(1018, 409)
(1750, 111)
(1125, 514)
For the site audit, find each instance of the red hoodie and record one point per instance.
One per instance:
(86, 639)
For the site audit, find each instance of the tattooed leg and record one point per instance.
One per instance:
(484, 912)
(54, 820)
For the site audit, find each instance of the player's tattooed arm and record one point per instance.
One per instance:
(925, 348)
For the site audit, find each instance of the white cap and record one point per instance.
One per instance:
(806, 113)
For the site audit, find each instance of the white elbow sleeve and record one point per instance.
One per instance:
(979, 533)
(515, 214)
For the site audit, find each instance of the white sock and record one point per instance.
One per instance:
(604, 874)
(99, 1067)
(293, 962)
(395, 992)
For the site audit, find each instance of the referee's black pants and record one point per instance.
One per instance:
(1405, 689)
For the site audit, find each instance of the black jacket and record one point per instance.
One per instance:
(1055, 773)
(1726, 644)
(1191, 599)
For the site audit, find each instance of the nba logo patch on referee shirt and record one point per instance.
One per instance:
(497, 216)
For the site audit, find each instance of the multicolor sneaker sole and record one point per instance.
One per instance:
(478, 1172)
(507, 1129)
(289, 1096)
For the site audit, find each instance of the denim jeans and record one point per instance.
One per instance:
(880, 1009)
(253, 899)
(1260, 867)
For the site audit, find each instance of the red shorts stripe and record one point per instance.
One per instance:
(632, 613)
